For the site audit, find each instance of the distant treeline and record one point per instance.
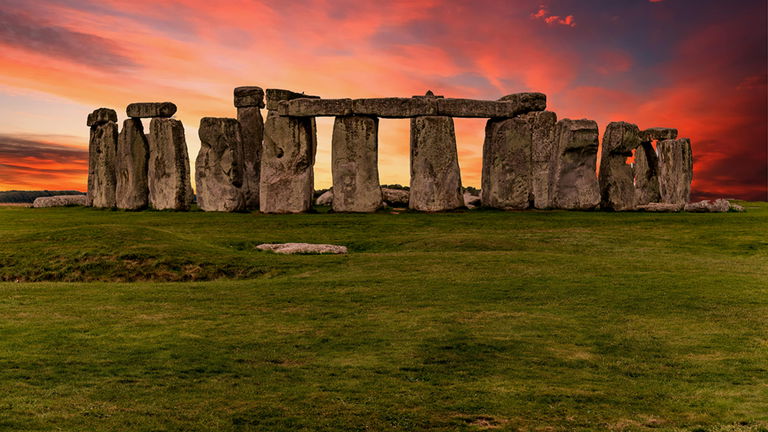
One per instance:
(29, 196)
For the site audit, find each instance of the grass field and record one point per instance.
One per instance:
(481, 320)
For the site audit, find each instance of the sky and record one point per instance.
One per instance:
(700, 66)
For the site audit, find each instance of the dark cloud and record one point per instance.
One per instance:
(22, 31)
(14, 147)
(37, 162)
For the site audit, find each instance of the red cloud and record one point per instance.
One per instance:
(543, 14)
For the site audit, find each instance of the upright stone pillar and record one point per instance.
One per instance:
(169, 182)
(102, 149)
(287, 159)
(131, 166)
(506, 177)
(354, 163)
(574, 184)
(647, 165)
(675, 170)
(435, 175)
(249, 101)
(542, 124)
(617, 187)
(219, 166)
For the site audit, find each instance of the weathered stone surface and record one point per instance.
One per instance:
(707, 206)
(101, 116)
(132, 157)
(658, 133)
(617, 188)
(287, 177)
(435, 175)
(471, 201)
(102, 149)
(543, 152)
(325, 199)
(575, 185)
(60, 201)
(661, 207)
(646, 174)
(396, 197)
(302, 248)
(249, 97)
(252, 133)
(275, 96)
(355, 164)
(675, 170)
(219, 166)
(736, 208)
(170, 187)
(412, 107)
(151, 109)
(506, 176)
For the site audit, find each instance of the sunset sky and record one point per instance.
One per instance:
(698, 65)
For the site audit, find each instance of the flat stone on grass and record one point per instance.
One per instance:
(302, 248)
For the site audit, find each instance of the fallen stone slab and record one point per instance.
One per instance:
(617, 179)
(646, 174)
(471, 201)
(249, 97)
(325, 199)
(706, 206)
(575, 185)
(102, 150)
(168, 177)
(101, 116)
(661, 207)
(60, 201)
(658, 134)
(355, 164)
(435, 175)
(675, 170)
(506, 172)
(151, 110)
(395, 197)
(132, 166)
(302, 248)
(275, 96)
(219, 166)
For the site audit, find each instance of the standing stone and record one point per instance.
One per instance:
(219, 166)
(287, 159)
(574, 183)
(102, 148)
(646, 175)
(617, 183)
(435, 175)
(506, 177)
(542, 124)
(675, 170)
(168, 174)
(249, 101)
(131, 165)
(354, 155)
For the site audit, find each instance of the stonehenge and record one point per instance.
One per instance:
(530, 159)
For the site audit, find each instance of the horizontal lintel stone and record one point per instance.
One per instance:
(101, 116)
(151, 109)
(658, 133)
(249, 97)
(275, 96)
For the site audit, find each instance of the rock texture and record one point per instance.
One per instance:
(60, 201)
(102, 149)
(574, 180)
(276, 96)
(325, 199)
(617, 188)
(542, 124)
(219, 166)
(132, 191)
(288, 156)
(506, 176)
(168, 179)
(471, 201)
(658, 134)
(355, 165)
(646, 174)
(396, 197)
(249, 101)
(706, 206)
(302, 248)
(661, 207)
(151, 109)
(675, 170)
(435, 175)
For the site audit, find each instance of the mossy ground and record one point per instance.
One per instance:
(474, 320)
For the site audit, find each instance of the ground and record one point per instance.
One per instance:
(481, 320)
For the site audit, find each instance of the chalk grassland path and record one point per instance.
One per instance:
(458, 321)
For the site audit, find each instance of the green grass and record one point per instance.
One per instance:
(536, 321)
